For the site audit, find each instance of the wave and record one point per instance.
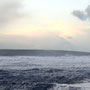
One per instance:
(68, 72)
(29, 62)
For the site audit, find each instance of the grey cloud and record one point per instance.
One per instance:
(82, 15)
(9, 11)
(88, 11)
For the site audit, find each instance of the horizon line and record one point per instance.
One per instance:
(45, 50)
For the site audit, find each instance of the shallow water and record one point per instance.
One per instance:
(45, 73)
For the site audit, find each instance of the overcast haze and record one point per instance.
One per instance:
(45, 24)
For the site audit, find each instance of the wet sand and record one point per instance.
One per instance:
(44, 79)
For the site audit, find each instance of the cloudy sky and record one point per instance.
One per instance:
(45, 24)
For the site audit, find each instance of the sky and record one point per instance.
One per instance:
(45, 24)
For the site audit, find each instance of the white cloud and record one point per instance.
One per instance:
(9, 11)
(22, 42)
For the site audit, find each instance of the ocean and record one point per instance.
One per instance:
(44, 70)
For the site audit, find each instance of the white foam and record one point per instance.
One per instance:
(29, 62)
(80, 86)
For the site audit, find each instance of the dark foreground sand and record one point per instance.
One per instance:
(42, 79)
